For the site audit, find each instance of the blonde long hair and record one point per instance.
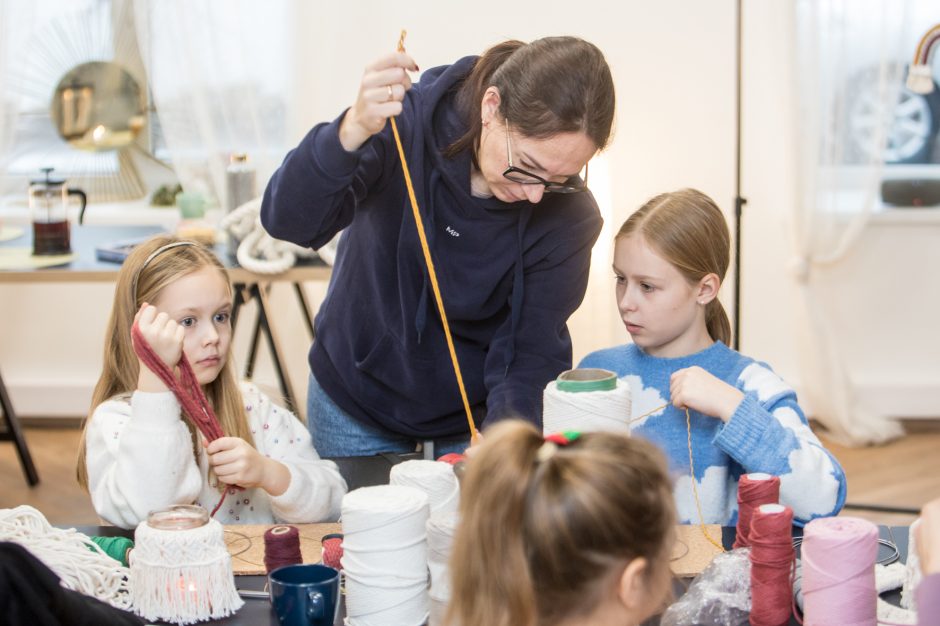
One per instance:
(121, 365)
(688, 229)
(537, 537)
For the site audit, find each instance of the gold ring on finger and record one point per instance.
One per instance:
(391, 94)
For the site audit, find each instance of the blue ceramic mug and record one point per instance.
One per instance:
(305, 595)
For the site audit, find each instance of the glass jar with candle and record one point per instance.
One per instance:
(178, 517)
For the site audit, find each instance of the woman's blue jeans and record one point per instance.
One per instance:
(336, 433)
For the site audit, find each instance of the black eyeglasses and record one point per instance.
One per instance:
(574, 184)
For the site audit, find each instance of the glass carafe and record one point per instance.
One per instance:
(48, 209)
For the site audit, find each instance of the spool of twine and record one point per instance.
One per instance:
(332, 550)
(838, 556)
(385, 555)
(753, 490)
(432, 477)
(586, 400)
(281, 547)
(771, 559)
(441, 528)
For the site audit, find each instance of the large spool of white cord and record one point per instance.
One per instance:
(385, 556)
(586, 400)
(441, 529)
(435, 478)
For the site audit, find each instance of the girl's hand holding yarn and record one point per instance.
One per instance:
(928, 538)
(381, 92)
(236, 462)
(694, 388)
(165, 337)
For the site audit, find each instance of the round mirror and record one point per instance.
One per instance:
(98, 106)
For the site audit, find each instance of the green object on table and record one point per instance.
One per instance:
(115, 547)
(586, 379)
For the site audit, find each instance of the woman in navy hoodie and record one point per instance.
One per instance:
(497, 147)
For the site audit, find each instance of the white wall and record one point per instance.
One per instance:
(674, 65)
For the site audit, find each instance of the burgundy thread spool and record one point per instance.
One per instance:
(771, 565)
(281, 547)
(753, 491)
(332, 545)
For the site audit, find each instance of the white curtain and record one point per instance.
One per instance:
(16, 19)
(219, 74)
(847, 52)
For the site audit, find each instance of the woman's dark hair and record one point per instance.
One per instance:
(550, 86)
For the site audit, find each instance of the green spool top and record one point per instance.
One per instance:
(586, 379)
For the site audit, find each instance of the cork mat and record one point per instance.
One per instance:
(246, 544)
(693, 552)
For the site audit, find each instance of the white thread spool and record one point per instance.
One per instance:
(435, 478)
(181, 571)
(441, 528)
(912, 574)
(385, 556)
(586, 400)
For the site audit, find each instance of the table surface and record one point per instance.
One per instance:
(87, 268)
(257, 611)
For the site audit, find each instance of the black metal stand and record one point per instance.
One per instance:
(254, 291)
(15, 434)
(739, 202)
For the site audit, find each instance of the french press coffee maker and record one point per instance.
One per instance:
(48, 209)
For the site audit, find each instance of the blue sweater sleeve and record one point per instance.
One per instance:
(314, 193)
(554, 288)
(769, 433)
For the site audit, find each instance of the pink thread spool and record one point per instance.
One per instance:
(838, 557)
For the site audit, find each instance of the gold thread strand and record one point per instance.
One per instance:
(698, 503)
(430, 265)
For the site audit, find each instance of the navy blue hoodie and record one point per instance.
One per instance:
(510, 273)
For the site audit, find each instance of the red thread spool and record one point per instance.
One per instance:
(771, 558)
(332, 545)
(281, 547)
(753, 491)
(452, 458)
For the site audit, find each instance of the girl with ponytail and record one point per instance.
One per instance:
(570, 529)
(670, 258)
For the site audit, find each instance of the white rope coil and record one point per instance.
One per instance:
(385, 556)
(435, 478)
(75, 558)
(586, 411)
(182, 576)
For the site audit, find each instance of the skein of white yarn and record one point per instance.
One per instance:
(74, 557)
(441, 528)
(586, 411)
(435, 478)
(385, 556)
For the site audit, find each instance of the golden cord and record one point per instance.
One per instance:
(430, 266)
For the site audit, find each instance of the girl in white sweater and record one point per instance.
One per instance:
(138, 454)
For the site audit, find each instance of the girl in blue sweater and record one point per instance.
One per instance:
(669, 260)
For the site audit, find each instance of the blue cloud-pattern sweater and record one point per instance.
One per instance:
(767, 433)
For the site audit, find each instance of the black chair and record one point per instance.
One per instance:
(14, 433)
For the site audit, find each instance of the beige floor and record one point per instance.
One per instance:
(903, 473)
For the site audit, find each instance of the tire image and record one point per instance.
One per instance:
(912, 130)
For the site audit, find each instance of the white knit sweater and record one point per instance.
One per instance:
(140, 458)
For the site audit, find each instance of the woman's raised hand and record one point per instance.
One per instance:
(381, 92)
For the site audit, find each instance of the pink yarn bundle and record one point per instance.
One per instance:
(838, 557)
